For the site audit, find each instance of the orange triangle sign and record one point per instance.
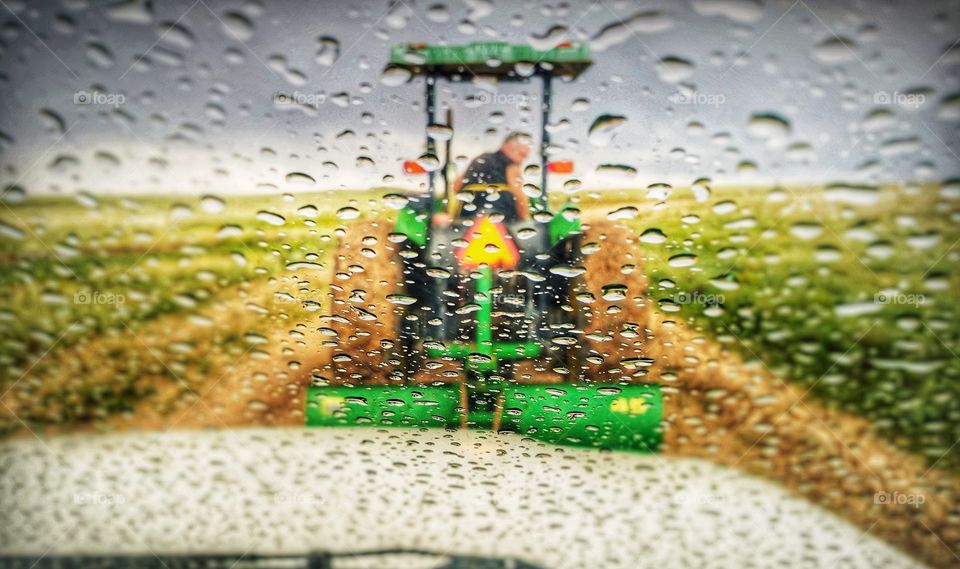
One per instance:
(488, 243)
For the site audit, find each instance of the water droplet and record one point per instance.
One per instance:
(395, 201)
(769, 127)
(626, 212)
(300, 179)
(401, 299)
(212, 204)
(806, 230)
(653, 236)
(567, 271)
(674, 69)
(604, 129)
(835, 49)
(682, 260)
(647, 22)
(271, 218)
(347, 213)
(237, 26)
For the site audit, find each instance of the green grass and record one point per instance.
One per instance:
(766, 284)
(80, 273)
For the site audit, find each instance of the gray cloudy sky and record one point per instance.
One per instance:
(732, 90)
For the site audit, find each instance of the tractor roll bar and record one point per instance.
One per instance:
(431, 95)
(500, 59)
(547, 96)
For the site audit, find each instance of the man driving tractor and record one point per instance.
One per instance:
(496, 182)
(484, 335)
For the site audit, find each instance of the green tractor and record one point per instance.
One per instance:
(471, 322)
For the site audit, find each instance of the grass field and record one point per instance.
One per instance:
(851, 292)
(86, 280)
(854, 293)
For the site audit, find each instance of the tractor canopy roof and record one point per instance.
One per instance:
(506, 60)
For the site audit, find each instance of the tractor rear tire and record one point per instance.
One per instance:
(618, 311)
(367, 271)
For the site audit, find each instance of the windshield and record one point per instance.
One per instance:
(476, 283)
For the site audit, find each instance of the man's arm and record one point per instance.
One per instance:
(515, 182)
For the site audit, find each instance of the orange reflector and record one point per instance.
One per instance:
(488, 243)
(413, 167)
(560, 167)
